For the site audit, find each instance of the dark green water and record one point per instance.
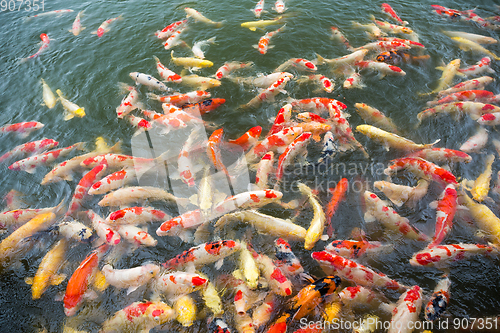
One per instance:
(87, 69)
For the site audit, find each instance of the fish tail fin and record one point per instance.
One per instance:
(124, 88)
(59, 208)
(319, 60)
(68, 116)
(212, 40)
(371, 17)
(430, 145)
(172, 55)
(120, 17)
(220, 24)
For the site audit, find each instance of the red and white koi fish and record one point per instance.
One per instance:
(251, 199)
(282, 119)
(279, 6)
(203, 254)
(263, 44)
(229, 67)
(165, 73)
(382, 46)
(407, 311)
(300, 63)
(343, 131)
(181, 99)
(278, 282)
(135, 235)
(439, 300)
(148, 80)
(170, 29)
(352, 249)
(103, 230)
(317, 104)
(473, 109)
(259, 8)
(354, 81)
(33, 147)
(170, 122)
(376, 209)
(45, 44)
(476, 142)
(481, 67)
(268, 94)
(23, 129)
(127, 195)
(478, 83)
(442, 155)
(203, 107)
(391, 28)
(76, 290)
(214, 150)
(387, 9)
(357, 273)
(338, 194)
(276, 142)
(113, 160)
(376, 117)
(338, 36)
(451, 13)
(180, 225)
(482, 96)
(410, 43)
(139, 316)
(141, 124)
(382, 68)
(198, 17)
(263, 313)
(325, 83)
(77, 25)
(103, 28)
(315, 128)
(249, 139)
(286, 260)
(445, 211)
(401, 194)
(489, 119)
(81, 190)
(29, 164)
(131, 278)
(175, 284)
(129, 103)
(174, 39)
(113, 181)
(264, 169)
(311, 117)
(441, 256)
(421, 168)
(297, 147)
(359, 295)
(52, 12)
(135, 215)
(198, 53)
(184, 161)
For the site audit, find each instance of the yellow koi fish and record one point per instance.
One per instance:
(253, 25)
(71, 108)
(191, 62)
(315, 230)
(449, 73)
(482, 183)
(391, 140)
(468, 45)
(48, 96)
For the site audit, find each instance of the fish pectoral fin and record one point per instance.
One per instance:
(186, 236)
(368, 217)
(29, 280)
(31, 169)
(194, 199)
(68, 116)
(90, 294)
(131, 289)
(57, 279)
(440, 68)
(252, 28)
(219, 264)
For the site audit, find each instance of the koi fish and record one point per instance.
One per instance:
(77, 26)
(445, 211)
(79, 281)
(406, 311)
(81, 190)
(73, 230)
(174, 39)
(371, 29)
(278, 282)
(139, 316)
(103, 28)
(251, 199)
(440, 256)
(258, 9)
(343, 130)
(351, 296)
(421, 168)
(439, 300)
(191, 62)
(478, 83)
(264, 169)
(315, 230)
(127, 195)
(266, 224)
(282, 119)
(480, 39)
(299, 63)
(113, 181)
(148, 80)
(400, 194)
(279, 6)
(229, 67)
(338, 194)
(262, 313)
(170, 29)
(214, 152)
(354, 81)
(391, 140)
(181, 99)
(387, 9)
(249, 138)
(476, 142)
(286, 260)
(481, 185)
(185, 308)
(129, 103)
(248, 266)
(203, 254)
(131, 278)
(344, 61)
(23, 129)
(468, 45)
(135, 215)
(276, 142)
(381, 46)
(52, 12)
(375, 117)
(71, 109)
(442, 155)
(352, 271)
(33, 147)
(382, 68)
(376, 209)
(482, 66)
(482, 96)
(263, 44)
(45, 44)
(49, 99)
(448, 75)
(198, 53)
(184, 162)
(352, 249)
(198, 17)
(474, 109)
(484, 218)
(391, 28)
(46, 274)
(270, 93)
(103, 230)
(325, 83)
(294, 149)
(253, 25)
(338, 36)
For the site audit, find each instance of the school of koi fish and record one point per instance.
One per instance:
(246, 219)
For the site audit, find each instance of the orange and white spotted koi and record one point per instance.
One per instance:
(268, 94)
(23, 129)
(203, 254)
(79, 281)
(103, 230)
(478, 83)
(129, 103)
(352, 271)
(249, 139)
(442, 155)
(165, 73)
(171, 29)
(181, 99)
(103, 28)
(483, 96)
(139, 316)
(141, 123)
(282, 119)
(439, 300)
(411, 43)
(387, 9)
(263, 44)
(214, 150)
(354, 81)
(174, 38)
(407, 311)
(135, 215)
(258, 9)
(229, 67)
(343, 131)
(286, 260)
(179, 225)
(263, 313)
(29, 164)
(77, 25)
(441, 256)
(337, 35)
(391, 28)
(135, 235)
(321, 80)
(131, 278)
(276, 143)
(114, 161)
(316, 128)
(174, 284)
(279, 6)
(352, 249)
(264, 169)
(481, 67)
(445, 211)
(376, 209)
(31, 148)
(170, 122)
(299, 63)
(476, 142)
(294, 149)
(81, 190)
(251, 199)
(317, 104)
(490, 119)
(382, 68)
(113, 181)
(382, 46)
(474, 109)
(359, 295)
(376, 117)
(421, 168)
(278, 282)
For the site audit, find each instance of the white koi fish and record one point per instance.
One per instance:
(174, 39)
(129, 103)
(190, 12)
(148, 80)
(480, 39)
(481, 67)
(198, 53)
(315, 230)
(45, 44)
(103, 28)
(52, 12)
(131, 278)
(476, 142)
(127, 195)
(407, 311)
(401, 194)
(49, 99)
(104, 231)
(371, 29)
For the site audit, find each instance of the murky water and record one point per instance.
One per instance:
(87, 69)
